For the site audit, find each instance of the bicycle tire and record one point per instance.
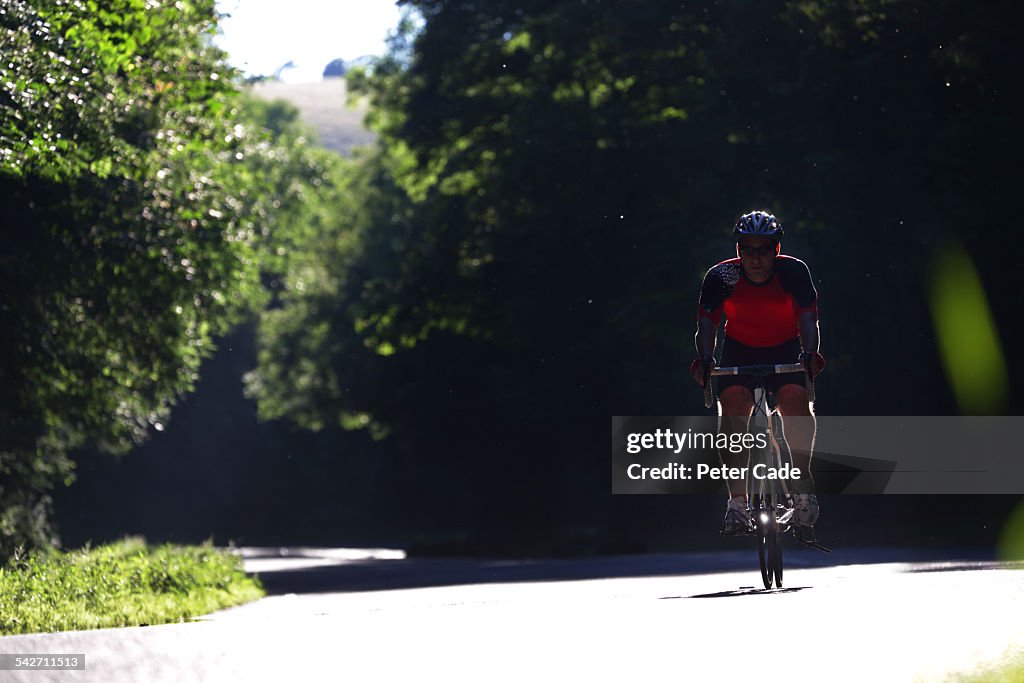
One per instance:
(764, 543)
(762, 555)
(776, 554)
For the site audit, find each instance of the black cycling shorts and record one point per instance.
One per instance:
(734, 353)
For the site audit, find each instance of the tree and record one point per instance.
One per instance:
(137, 205)
(552, 180)
(335, 68)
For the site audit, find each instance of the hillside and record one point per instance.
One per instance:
(322, 105)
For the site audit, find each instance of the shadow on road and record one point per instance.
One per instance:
(303, 572)
(742, 591)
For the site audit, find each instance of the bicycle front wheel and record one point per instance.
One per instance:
(776, 551)
(769, 543)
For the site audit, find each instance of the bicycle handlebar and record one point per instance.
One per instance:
(758, 369)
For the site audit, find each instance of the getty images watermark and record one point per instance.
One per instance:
(852, 454)
(674, 442)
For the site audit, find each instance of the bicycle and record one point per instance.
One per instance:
(771, 508)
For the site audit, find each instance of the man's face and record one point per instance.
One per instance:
(757, 255)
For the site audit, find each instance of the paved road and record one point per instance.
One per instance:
(663, 617)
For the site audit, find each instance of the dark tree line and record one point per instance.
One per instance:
(518, 257)
(143, 205)
(553, 179)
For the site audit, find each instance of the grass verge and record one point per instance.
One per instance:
(121, 584)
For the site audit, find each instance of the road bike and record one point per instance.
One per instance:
(770, 501)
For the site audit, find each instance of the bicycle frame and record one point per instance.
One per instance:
(769, 499)
(766, 418)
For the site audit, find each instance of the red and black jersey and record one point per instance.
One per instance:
(758, 314)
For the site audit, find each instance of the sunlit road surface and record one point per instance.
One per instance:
(531, 621)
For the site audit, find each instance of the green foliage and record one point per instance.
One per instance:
(122, 584)
(86, 89)
(547, 175)
(143, 200)
(553, 179)
(315, 209)
(328, 280)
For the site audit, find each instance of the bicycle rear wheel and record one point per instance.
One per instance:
(767, 573)
(767, 539)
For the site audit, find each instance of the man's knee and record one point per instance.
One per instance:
(792, 400)
(736, 400)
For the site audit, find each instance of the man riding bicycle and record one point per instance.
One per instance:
(770, 305)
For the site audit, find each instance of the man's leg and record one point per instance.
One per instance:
(734, 405)
(799, 427)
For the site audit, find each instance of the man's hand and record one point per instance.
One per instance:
(813, 362)
(700, 367)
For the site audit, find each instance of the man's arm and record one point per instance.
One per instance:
(704, 341)
(715, 289)
(809, 340)
(808, 326)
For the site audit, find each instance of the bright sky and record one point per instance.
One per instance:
(260, 36)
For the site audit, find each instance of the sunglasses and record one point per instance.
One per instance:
(767, 250)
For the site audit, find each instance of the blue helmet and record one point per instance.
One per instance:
(758, 224)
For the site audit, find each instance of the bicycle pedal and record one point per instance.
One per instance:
(817, 546)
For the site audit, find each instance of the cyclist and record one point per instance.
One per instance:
(770, 305)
